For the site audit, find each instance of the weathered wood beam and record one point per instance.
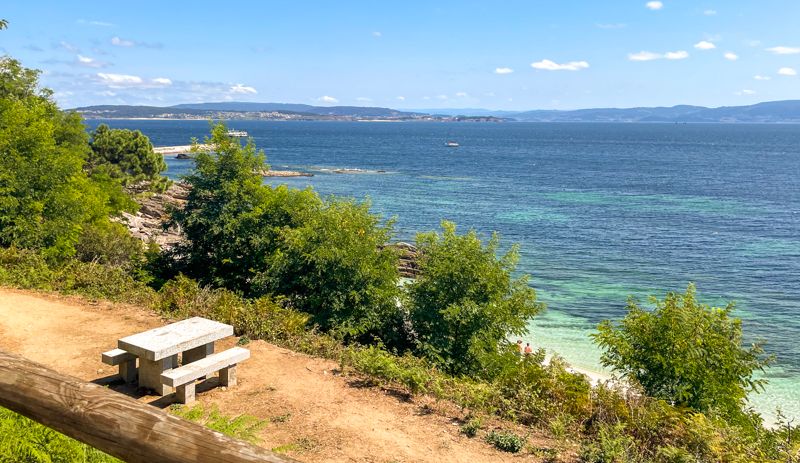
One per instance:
(112, 422)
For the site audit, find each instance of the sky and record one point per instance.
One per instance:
(509, 55)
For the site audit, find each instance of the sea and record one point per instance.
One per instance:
(601, 212)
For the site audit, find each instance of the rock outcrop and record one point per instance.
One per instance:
(148, 223)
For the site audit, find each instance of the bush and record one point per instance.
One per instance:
(506, 441)
(24, 440)
(25, 269)
(126, 155)
(465, 302)
(471, 427)
(684, 352)
(109, 244)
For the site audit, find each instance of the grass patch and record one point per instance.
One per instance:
(242, 427)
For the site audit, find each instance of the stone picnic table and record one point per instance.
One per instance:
(158, 349)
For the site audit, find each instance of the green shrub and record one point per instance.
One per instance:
(25, 269)
(684, 352)
(506, 441)
(471, 427)
(611, 445)
(243, 427)
(109, 244)
(465, 302)
(24, 440)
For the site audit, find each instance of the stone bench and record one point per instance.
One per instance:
(183, 378)
(126, 362)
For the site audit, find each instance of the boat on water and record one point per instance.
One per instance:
(451, 144)
(237, 133)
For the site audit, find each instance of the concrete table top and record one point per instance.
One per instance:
(174, 338)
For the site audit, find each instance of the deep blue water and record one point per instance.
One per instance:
(601, 211)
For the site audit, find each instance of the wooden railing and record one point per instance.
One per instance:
(112, 422)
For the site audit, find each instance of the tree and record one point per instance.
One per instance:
(686, 353)
(333, 265)
(323, 256)
(45, 197)
(126, 155)
(220, 220)
(465, 302)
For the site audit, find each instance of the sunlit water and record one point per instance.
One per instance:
(601, 211)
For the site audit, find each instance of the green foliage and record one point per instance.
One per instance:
(221, 220)
(126, 155)
(684, 352)
(25, 441)
(611, 445)
(111, 244)
(322, 256)
(465, 302)
(506, 441)
(45, 197)
(382, 367)
(471, 427)
(331, 266)
(243, 427)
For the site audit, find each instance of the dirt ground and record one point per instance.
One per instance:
(314, 414)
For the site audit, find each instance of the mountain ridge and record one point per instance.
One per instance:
(782, 111)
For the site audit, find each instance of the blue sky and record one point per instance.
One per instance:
(500, 55)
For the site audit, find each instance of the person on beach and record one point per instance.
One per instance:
(519, 347)
(528, 348)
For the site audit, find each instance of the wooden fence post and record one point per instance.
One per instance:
(114, 423)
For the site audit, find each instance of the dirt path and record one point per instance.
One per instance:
(314, 414)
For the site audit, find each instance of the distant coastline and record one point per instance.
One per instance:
(772, 112)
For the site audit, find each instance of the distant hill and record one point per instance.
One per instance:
(787, 111)
(352, 111)
(774, 111)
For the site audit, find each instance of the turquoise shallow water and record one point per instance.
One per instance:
(601, 211)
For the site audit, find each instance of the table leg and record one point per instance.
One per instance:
(150, 373)
(200, 352)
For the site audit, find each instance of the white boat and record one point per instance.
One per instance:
(452, 144)
(237, 133)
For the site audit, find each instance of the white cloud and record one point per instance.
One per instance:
(784, 50)
(68, 46)
(680, 54)
(119, 80)
(441, 97)
(503, 71)
(745, 92)
(731, 56)
(162, 81)
(760, 77)
(710, 12)
(122, 42)
(655, 5)
(400, 98)
(705, 45)
(462, 94)
(787, 72)
(243, 89)
(644, 56)
(377, 34)
(548, 65)
(327, 99)
(86, 61)
(753, 43)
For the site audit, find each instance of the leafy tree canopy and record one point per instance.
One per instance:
(466, 302)
(45, 196)
(322, 255)
(684, 352)
(126, 155)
